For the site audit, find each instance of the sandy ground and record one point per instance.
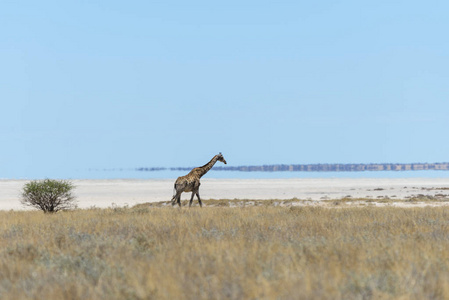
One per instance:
(107, 193)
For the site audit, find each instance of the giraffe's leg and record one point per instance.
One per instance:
(191, 199)
(176, 198)
(179, 200)
(199, 199)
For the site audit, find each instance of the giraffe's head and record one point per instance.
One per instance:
(221, 158)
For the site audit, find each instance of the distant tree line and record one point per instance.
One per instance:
(151, 169)
(319, 167)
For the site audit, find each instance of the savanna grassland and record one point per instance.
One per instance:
(226, 253)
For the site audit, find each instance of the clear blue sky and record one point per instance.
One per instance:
(104, 84)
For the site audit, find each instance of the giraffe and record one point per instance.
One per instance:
(191, 181)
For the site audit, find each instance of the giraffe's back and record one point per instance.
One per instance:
(187, 183)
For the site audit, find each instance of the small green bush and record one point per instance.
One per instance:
(49, 195)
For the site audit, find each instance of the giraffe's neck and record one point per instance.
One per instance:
(204, 169)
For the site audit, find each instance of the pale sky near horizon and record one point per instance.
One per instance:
(109, 84)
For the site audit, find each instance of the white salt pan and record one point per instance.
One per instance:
(105, 193)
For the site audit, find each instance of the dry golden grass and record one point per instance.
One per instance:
(226, 253)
